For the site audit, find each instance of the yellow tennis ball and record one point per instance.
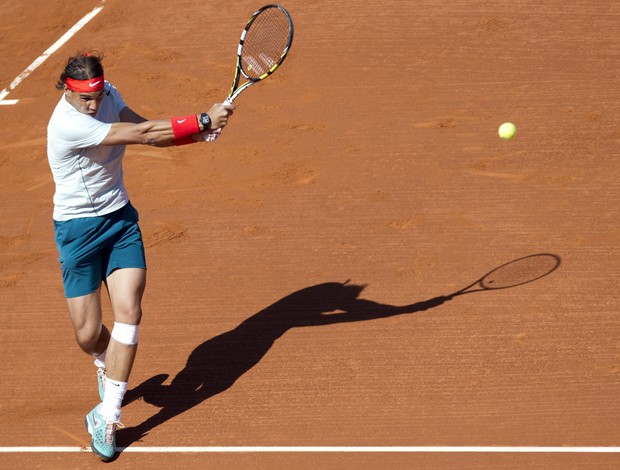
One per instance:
(507, 130)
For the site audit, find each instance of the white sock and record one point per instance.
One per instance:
(114, 394)
(100, 359)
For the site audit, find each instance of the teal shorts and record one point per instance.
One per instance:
(91, 248)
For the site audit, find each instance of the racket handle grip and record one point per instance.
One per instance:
(213, 135)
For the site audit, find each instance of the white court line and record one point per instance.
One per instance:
(43, 57)
(375, 449)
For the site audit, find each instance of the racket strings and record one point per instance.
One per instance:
(265, 43)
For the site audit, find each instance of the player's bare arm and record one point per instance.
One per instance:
(160, 132)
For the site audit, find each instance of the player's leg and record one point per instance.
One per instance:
(126, 287)
(124, 268)
(90, 333)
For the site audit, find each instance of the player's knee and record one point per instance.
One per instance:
(129, 314)
(87, 338)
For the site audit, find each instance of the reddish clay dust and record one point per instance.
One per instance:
(297, 265)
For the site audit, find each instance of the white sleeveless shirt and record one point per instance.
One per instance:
(88, 176)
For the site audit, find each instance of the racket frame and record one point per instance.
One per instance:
(482, 286)
(235, 89)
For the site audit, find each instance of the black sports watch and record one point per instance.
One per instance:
(205, 120)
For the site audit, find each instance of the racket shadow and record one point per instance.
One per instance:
(216, 364)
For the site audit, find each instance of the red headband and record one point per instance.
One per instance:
(85, 86)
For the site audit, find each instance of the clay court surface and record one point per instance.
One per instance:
(371, 157)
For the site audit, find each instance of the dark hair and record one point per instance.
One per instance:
(83, 66)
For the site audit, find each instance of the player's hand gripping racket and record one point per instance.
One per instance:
(514, 273)
(264, 44)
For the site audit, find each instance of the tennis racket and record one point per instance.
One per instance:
(264, 44)
(514, 273)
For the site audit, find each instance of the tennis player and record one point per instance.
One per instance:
(96, 227)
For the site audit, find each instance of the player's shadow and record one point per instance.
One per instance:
(215, 365)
